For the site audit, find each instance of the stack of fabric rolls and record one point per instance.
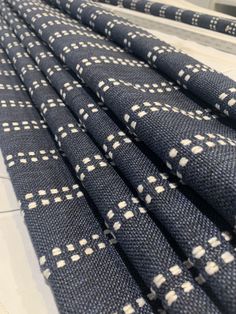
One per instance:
(164, 10)
(122, 152)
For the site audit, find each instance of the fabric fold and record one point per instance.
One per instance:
(191, 141)
(76, 258)
(162, 197)
(92, 136)
(141, 240)
(212, 87)
(211, 22)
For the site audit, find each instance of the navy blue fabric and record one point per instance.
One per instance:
(68, 238)
(211, 22)
(213, 88)
(140, 238)
(156, 220)
(168, 204)
(170, 122)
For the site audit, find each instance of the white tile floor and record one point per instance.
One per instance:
(22, 287)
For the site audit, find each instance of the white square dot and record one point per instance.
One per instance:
(159, 189)
(90, 168)
(61, 263)
(45, 202)
(151, 179)
(122, 204)
(32, 205)
(83, 242)
(129, 214)
(75, 257)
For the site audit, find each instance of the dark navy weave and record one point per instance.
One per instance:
(171, 207)
(192, 141)
(67, 237)
(140, 238)
(211, 22)
(213, 88)
(173, 125)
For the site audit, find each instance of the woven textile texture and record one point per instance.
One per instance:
(67, 237)
(215, 89)
(110, 150)
(211, 22)
(98, 177)
(185, 133)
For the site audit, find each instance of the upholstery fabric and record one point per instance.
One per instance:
(184, 134)
(125, 215)
(111, 147)
(211, 22)
(213, 88)
(68, 238)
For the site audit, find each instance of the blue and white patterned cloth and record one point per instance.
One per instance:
(207, 21)
(112, 133)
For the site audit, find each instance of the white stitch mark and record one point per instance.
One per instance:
(61, 263)
(197, 149)
(56, 251)
(175, 270)
(128, 309)
(151, 179)
(148, 198)
(227, 257)
(159, 280)
(171, 297)
(187, 286)
(129, 214)
(211, 268)
(32, 205)
(183, 161)
(70, 247)
(75, 257)
(46, 273)
(88, 251)
(122, 204)
(198, 252)
(42, 260)
(214, 242)
(83, 242)
(159, 189)
(173, 153)
(140, 188)
(116, 225)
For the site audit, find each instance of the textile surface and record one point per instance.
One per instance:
(67, 237)
(96, 135)
(211, 22)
